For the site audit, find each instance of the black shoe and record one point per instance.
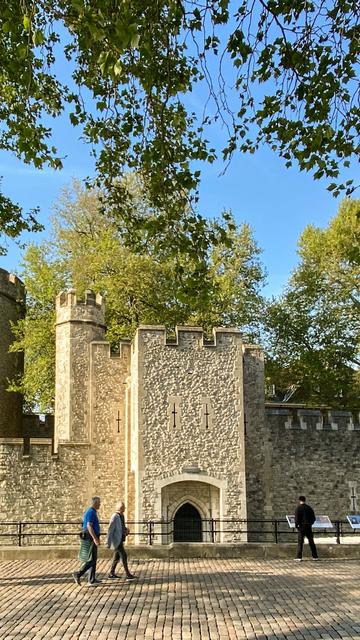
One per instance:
(77, 578)
(130, 577)
(113, 575)
(95, 581)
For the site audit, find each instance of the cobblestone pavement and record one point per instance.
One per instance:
(183, 600)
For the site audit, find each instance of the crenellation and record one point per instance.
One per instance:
(300, 418)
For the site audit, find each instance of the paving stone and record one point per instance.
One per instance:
(183, 600)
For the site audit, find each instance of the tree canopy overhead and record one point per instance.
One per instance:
(286, 76)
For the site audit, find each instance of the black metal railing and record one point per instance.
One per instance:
(27, 533)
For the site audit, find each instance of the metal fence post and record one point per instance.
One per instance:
(20, 533)
(150, 532)
(212, 529)
(276, 533)
(338, 531)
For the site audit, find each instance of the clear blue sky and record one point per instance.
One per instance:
(277, 202)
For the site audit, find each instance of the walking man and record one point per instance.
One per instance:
(91, 532)
(117, 533)
(304, 519)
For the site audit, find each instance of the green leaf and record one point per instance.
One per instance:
(27, 23)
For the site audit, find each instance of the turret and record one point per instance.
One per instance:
(78, 323)
(12, 304)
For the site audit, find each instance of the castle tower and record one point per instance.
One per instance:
(78, 323)
(188, 427)
(12, 298)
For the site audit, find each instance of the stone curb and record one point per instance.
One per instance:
(185, 550)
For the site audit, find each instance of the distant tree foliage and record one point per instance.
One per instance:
(87, 250)
(313, 330)
(277, 72)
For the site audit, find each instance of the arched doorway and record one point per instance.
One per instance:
(187, 524)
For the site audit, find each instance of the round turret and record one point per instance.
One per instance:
(12, 306)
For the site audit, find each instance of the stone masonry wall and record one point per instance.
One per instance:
(11, 364)
(183, 382)
(108, 421)
(258, 473)
(78, 323)
(42, 486)
(312, 453)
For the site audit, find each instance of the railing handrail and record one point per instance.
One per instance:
(148, 529)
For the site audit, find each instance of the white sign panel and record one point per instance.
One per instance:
(291, 521)
(354, 521)
(321, 522)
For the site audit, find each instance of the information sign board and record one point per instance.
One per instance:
(354, 521)
(321, 522)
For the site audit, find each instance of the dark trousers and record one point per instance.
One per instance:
(120, 553)
(305, 531)
(90, 564)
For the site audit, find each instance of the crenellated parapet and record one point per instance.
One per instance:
(90, 309)
(11, 287)
(313, 419)
(190, 337)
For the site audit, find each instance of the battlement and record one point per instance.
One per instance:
(188, 336)
(70, 308)
(11, 286)
(316, 419)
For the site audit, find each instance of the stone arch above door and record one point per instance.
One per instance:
(205, 493)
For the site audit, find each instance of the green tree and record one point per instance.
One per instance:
(132, 63)
(314, 328)
(141, 285)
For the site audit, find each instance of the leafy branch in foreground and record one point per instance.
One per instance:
(292, 66)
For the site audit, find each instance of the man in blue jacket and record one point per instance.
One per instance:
(91, 528)
(304, 519)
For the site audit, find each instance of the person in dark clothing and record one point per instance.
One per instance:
(304, 519)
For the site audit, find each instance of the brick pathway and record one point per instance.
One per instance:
(183, 600)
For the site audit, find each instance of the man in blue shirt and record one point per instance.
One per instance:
(91, 528)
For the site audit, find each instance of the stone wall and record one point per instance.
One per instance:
(315, 453)
(78, 323)
(258, 474)
(40, 485)
(188, 415)
(11, 364)
(108, 422)
(41, 479)
(166, 422)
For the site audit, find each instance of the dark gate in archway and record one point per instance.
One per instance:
(187, 524)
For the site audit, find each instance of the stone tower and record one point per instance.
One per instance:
(78, 324)
(12, 303)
